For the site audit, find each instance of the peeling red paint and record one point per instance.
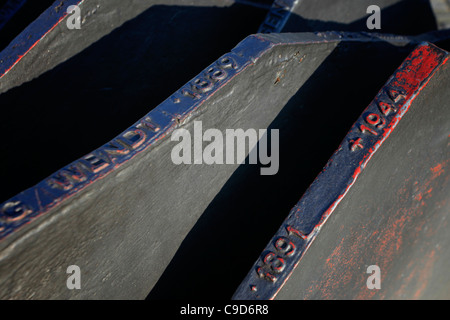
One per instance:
(342, 267)
(408, 81)
(438, 170)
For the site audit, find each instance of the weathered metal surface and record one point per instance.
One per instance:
(387, 187)
(110, 210)
(16, 15)
(49, 41)
(90, 73)
(398, 16)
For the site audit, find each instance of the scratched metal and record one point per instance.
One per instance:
(397, 16)
(48, 41)
(411, 100)
(107, 226)
(395, 216)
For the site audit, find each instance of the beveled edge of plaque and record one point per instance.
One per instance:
(26, 206)
(285, 250)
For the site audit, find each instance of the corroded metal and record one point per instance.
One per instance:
(384, 203)
(49, 60)
(94, 64)
(110, 212)
(48, 40)
(111, 206)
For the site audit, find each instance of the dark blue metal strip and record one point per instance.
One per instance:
(157, 124)
(287, 247)
(144, 134)
(36, 31)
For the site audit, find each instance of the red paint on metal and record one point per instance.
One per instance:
(418, 276)
(292, 230)
(356, 144)
(412, 76)
(437, 170)
(20, 57)
(342, 266)
(365, 129)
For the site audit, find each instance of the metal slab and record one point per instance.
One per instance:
(384, 194)
(91, 74)
(16, 15)
(110, 212)
(49, 41)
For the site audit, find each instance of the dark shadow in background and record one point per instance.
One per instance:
(86, 101)
(230, 235)
(408, 17)
(232, 232)
(94, 96)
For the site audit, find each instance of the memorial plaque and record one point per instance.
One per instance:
(111, 213)
(385, 194)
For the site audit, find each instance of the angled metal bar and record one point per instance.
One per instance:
(111, 207)
(416, 86)
(50, 41)
(95, 64)
(29, 38)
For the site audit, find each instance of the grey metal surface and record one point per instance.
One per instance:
(120, 64)
(395, 216)
(133, 226)
(123, 227)
(164, 19)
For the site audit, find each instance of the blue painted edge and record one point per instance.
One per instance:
(144, 134)
(34, 33)
(149, 130)
(284, 251)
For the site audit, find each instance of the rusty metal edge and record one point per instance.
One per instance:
(32, 35)
(286, 249)
(32, 203)
(146, 133)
